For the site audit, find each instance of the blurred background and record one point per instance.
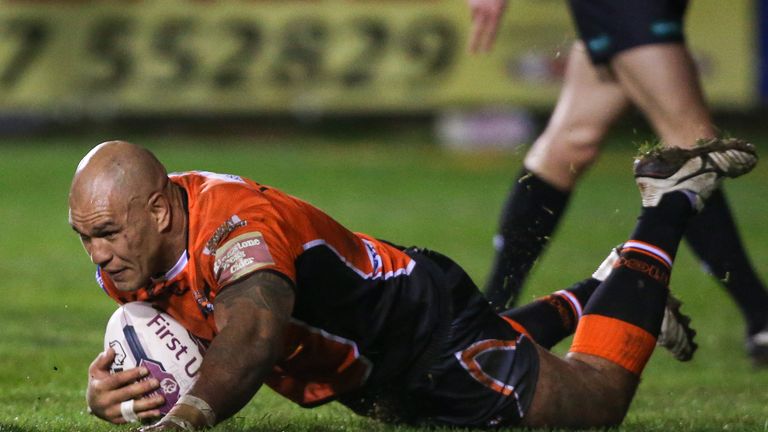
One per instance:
(70, 64)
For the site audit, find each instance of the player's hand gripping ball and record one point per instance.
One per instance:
(141, 335)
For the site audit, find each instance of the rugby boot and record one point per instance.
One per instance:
(698, 170)
(676, 334)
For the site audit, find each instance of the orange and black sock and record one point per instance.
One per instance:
(623, 318)
(550, 319)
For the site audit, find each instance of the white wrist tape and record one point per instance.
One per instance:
(126, 409)
(200, 405)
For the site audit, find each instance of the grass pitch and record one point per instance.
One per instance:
(54, 314)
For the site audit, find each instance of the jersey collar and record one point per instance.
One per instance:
(177, 268)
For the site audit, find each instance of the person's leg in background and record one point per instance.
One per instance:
(713, 236)
(585, 110)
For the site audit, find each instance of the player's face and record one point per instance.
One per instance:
(120, 239)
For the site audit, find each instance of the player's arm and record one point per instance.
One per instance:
(251, 315)
(486, 17)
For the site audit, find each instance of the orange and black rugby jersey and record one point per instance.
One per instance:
(364, 309)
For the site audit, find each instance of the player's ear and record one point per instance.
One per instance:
(160, 210)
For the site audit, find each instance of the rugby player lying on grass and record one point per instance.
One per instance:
(289, 298)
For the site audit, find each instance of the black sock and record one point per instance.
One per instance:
(637, 288)
(714, 238)
(528, 218)
(550, 319)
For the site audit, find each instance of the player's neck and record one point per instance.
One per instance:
(177, 236)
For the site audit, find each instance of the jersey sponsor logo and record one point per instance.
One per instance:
(240, 256)
(221, 232)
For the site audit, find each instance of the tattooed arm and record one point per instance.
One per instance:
(251, 315)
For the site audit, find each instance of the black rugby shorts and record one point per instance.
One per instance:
(486, 372)
(608, 27)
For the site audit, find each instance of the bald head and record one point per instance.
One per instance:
(128, 214)
(117, 170)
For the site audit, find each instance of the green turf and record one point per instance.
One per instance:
(53, 314)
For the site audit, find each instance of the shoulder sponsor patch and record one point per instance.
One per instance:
(231, 224)
(240, 256)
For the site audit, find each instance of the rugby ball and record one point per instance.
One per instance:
(141, 335)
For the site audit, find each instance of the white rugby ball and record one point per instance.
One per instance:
(144, 336)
